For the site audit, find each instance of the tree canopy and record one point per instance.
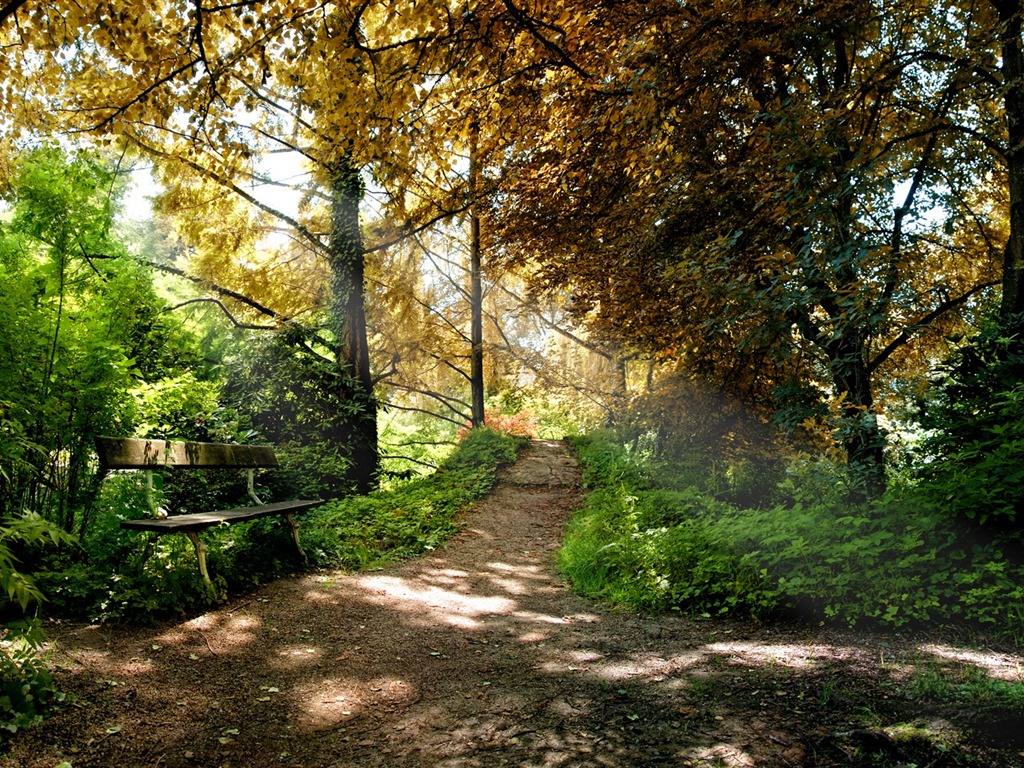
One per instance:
(799, 202)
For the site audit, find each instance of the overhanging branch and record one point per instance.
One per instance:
(234, 321)
(926, 320)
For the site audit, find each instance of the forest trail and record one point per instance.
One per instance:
(474, 656)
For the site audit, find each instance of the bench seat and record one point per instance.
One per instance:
(127, 453)
(200, 521)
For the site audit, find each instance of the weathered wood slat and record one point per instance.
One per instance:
(199, 521)
(134, 453)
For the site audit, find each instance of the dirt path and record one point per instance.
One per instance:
(476, 656)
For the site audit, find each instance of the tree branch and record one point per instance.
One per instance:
(443, 399)
(412, 231)
(310, 237)
(234, 321)
(9, 9)
(411, 409)
(249, 302)
(409, 458)
(925, 320)
(531, 26)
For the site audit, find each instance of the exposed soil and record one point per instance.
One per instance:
(478, 655)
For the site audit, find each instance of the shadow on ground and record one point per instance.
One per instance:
(479, 656)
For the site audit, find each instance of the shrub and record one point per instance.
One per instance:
(367, 531)
(522, 424)
(889, 562)
(970, 460)
(27, 690)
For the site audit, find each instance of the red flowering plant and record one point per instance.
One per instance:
(522, 424)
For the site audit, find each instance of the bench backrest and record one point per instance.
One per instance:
(134, 453)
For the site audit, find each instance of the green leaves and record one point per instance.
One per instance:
(891, 562)
(365, 531)
(30, 531)
(970, 462)
(80, 327)
(27, 690)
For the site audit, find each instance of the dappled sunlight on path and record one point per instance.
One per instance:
(473, 657)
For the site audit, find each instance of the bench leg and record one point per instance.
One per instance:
(295, 534)
(200, 554)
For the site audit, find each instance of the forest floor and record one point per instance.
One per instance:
(478, 655)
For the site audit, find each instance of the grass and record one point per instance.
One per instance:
(964, 683)
(370, 531)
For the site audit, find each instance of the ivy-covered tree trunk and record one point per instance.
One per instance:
(348, 318)
(1012, 309)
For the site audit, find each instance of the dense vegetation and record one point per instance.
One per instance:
(788, 536)
(120, 576)
(110, 575)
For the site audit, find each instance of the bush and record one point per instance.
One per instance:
(27, 690)
(368, 531)
(521, 424)
(971, 460)
(887, 563)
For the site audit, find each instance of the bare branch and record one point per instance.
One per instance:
(234, 321)
(445, 400)
(410, 458)
(428, 413)
(282, 320)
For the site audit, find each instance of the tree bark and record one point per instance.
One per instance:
(1012, 307)
(862, 436)
(476, 301)
(358, 429)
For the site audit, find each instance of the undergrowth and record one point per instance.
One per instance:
(805, 552)
(27, 689)
(369, 531)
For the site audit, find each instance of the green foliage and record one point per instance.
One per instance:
(971, 460)
(412, 444)
(298, 398)
(890, 562)
(27, 690)
(16, 535)
(559, 412)
(957, 683)
(183, 407)
(120, 575)
(115, 574)
(82, 326)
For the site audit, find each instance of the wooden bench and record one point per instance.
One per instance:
(120, 453)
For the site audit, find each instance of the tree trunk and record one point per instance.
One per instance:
(476, 299)
(348, 320)
(1012, 308)
(860, 433)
